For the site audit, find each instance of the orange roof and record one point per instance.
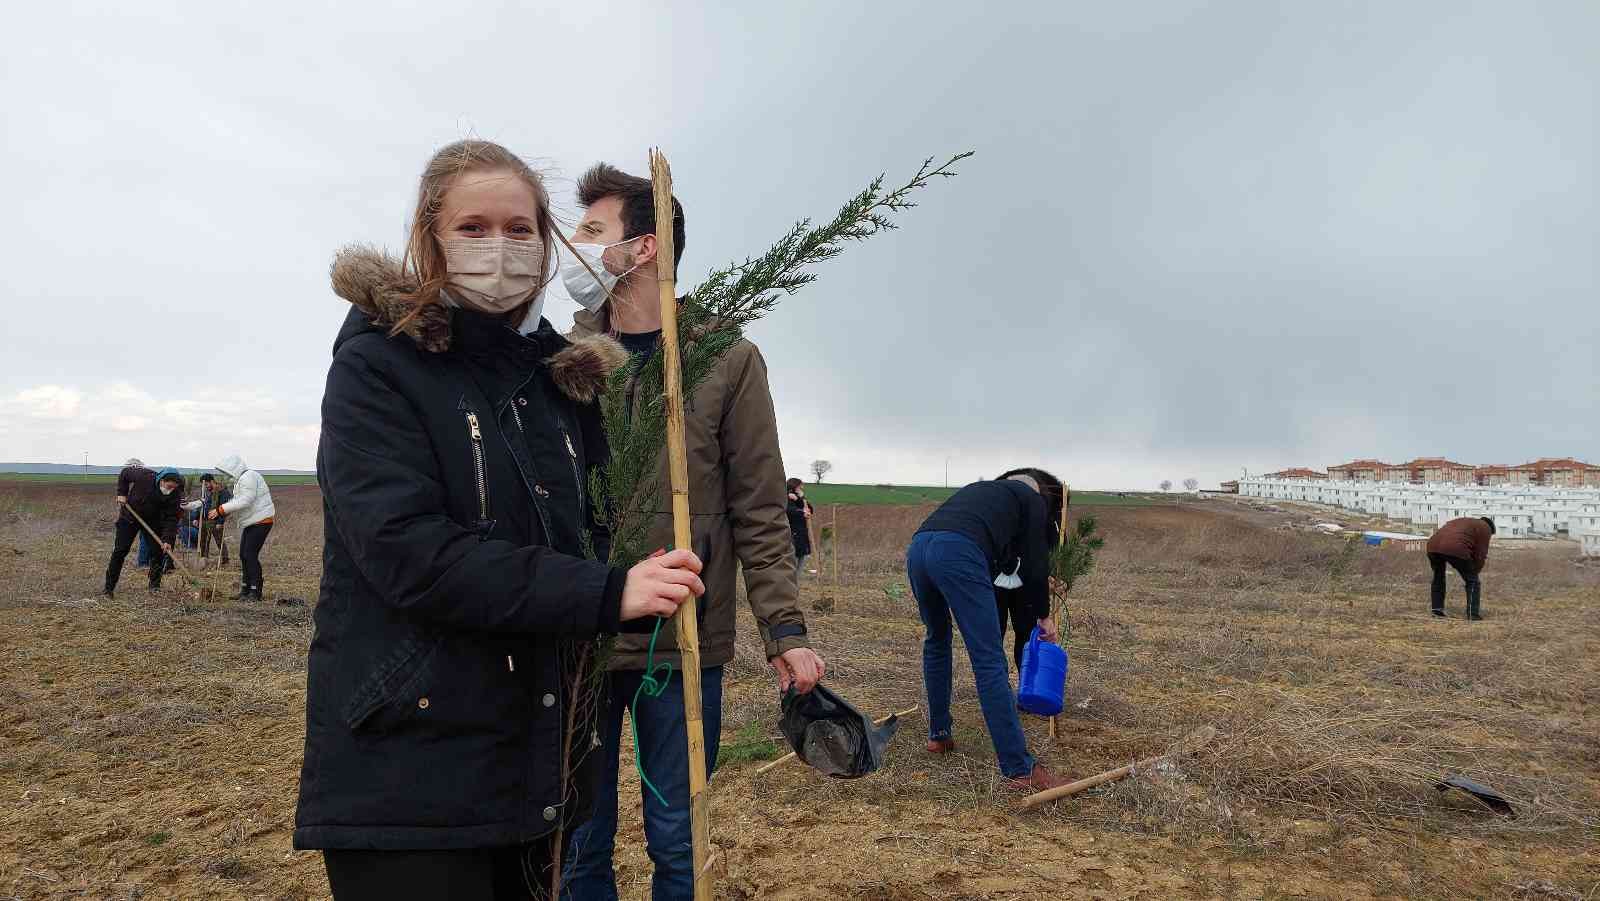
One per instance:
(1360, 464)
(1545, 463)
(1436, 461)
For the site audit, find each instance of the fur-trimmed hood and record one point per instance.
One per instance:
(375, 283)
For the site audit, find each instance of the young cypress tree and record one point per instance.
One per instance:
(1072, 559)
(711, 321)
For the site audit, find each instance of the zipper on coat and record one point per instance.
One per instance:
(476, 434)
(577, 475)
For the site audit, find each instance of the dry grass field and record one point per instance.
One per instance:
(150, 746)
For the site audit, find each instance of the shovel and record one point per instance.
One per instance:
(187, 574)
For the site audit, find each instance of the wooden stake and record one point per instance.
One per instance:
(769, 767)
(837, 600)
(816, 546)
(1190, 742)
(1066, 501)
(688, 629)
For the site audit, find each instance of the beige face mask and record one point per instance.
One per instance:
(493, 275)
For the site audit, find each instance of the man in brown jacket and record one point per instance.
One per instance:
(1464, 544)
(736, 498)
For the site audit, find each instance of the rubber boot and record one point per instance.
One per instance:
(1474, 593)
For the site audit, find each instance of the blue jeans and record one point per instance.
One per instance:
(664, 753)
(147, 549)
(950, 578)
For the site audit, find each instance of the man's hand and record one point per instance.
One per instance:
(122, 499)
(1047, 630)
(166, 548)
(801, 667)
(213, 513)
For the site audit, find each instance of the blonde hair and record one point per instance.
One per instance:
(423, 263)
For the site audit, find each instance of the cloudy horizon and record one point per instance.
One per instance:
(1195, 238)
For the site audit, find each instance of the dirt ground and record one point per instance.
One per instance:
(150, 746)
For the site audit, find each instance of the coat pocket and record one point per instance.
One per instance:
(384, 699)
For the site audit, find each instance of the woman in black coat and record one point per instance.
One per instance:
(799, 512)
(464, 582)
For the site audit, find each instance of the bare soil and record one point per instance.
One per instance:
(150, 746)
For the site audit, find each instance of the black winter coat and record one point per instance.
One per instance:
(454, 463)
(159, 511)
(798, 527)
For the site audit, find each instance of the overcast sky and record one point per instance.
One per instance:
(1195, 237)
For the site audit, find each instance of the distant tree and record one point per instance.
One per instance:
(1166, 484)
(1191, 484)
(820, 469)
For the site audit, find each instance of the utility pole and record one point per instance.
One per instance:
(947, 472)
(86, 466)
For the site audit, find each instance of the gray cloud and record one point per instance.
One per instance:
(1193, 238)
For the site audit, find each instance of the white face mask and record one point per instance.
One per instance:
(581, 284)
(492, 275)
(167, 489)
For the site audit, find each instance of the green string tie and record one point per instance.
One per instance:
(649, 686)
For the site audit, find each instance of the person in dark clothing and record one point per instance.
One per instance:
(212, 497)
(1464, 544)
(799, 512)
(449, 705)
(1013, 607)
(953, 563)
(188, 530)
(156, 499)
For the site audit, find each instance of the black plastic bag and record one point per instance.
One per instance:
(833, 737)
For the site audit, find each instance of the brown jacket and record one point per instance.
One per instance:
(736, 500)
(1466, 538)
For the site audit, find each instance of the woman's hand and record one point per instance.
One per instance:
(656, 586)
(1047, 630)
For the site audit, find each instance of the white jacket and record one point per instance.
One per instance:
(251, 502)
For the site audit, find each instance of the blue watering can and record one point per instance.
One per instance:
(1042, 685)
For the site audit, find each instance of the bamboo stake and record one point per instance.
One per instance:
(1189, 743)
(688, 629)
(792, 755)
(838, 600)
(176, 558)
(1066, 501)
(811, 530)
